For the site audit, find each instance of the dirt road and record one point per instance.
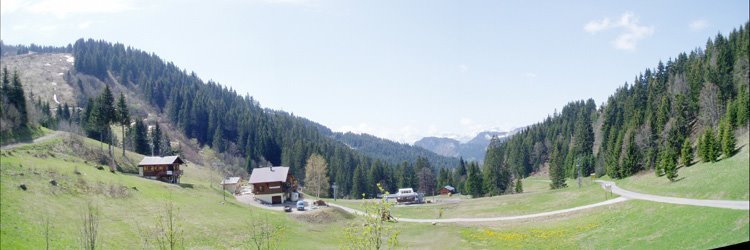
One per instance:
(37, 140)
(624, 196)
(740, 205)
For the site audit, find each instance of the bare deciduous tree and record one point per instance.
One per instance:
(263, 233)
(710, 107)
(89, 227)
(168, 231)
(316, 175)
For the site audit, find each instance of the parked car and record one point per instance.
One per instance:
(287, 209)
(300, 206)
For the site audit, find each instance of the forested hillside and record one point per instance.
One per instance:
(390, 151)
(689, 106)
(229, 123)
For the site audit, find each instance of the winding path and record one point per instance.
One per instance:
(37, 140)
(501, 218)
(730, 204)
(624, 196)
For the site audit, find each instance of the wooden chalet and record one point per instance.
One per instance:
(231, 184)
(447, 190)
(273, 185)
(166, 169)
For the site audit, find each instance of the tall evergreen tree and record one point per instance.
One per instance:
(218, 140)
(140, 138)
(107, 110)
(156, 137)
(728, 142)
(474, 181)
(670, 164)
(123, 117)
(556, 170)
(17, 98)
(358, 181)
(686, 154)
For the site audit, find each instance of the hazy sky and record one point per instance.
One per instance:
(396, 69)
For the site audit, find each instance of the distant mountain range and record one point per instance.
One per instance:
(472, 150)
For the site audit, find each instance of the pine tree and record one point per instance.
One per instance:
(17, 98)
(686, 154)
(519, 186)
(662, 114)
(156, 137)
(107, 112)
(631, 159)
(358, 190)
(218, 140)
(701, 149)
(474, 181)
(710, 147)
(140, 138)
(665, 157)
(670, 165)
(123, 117)
(556, 170)
(728, 141)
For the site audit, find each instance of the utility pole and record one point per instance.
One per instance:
(334, 190)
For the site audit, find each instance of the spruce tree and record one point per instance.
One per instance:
(218, 140)
(358, 178)
(556, 170)
(156, 140)
(474, 181)
(18, 99)
(686, 154)
(710, 147)
(670, 165)
(701, 150)
(519, 186)
(140, 138)
(728, 141)
(123, 117)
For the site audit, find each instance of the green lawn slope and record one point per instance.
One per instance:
(129, 207)
(727, 179)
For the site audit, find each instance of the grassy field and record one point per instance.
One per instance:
(128, 215)
(537, 198)
(628, 225)
(508, 205)
(727, 179)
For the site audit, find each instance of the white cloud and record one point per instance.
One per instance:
(10, 6)
(631, 31)
(463, 68)
(63, 8)
(594, 26)
(20, 27)
(699, 24)
(84, 25)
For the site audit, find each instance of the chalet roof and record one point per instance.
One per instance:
(270, 174)
(231, 180)
(156, 160)
(450, 188)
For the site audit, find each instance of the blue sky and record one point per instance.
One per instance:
(396, 69)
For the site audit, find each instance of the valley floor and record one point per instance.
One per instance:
(129, 208)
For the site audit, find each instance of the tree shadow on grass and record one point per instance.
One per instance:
(679, 179)
(185, 185)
